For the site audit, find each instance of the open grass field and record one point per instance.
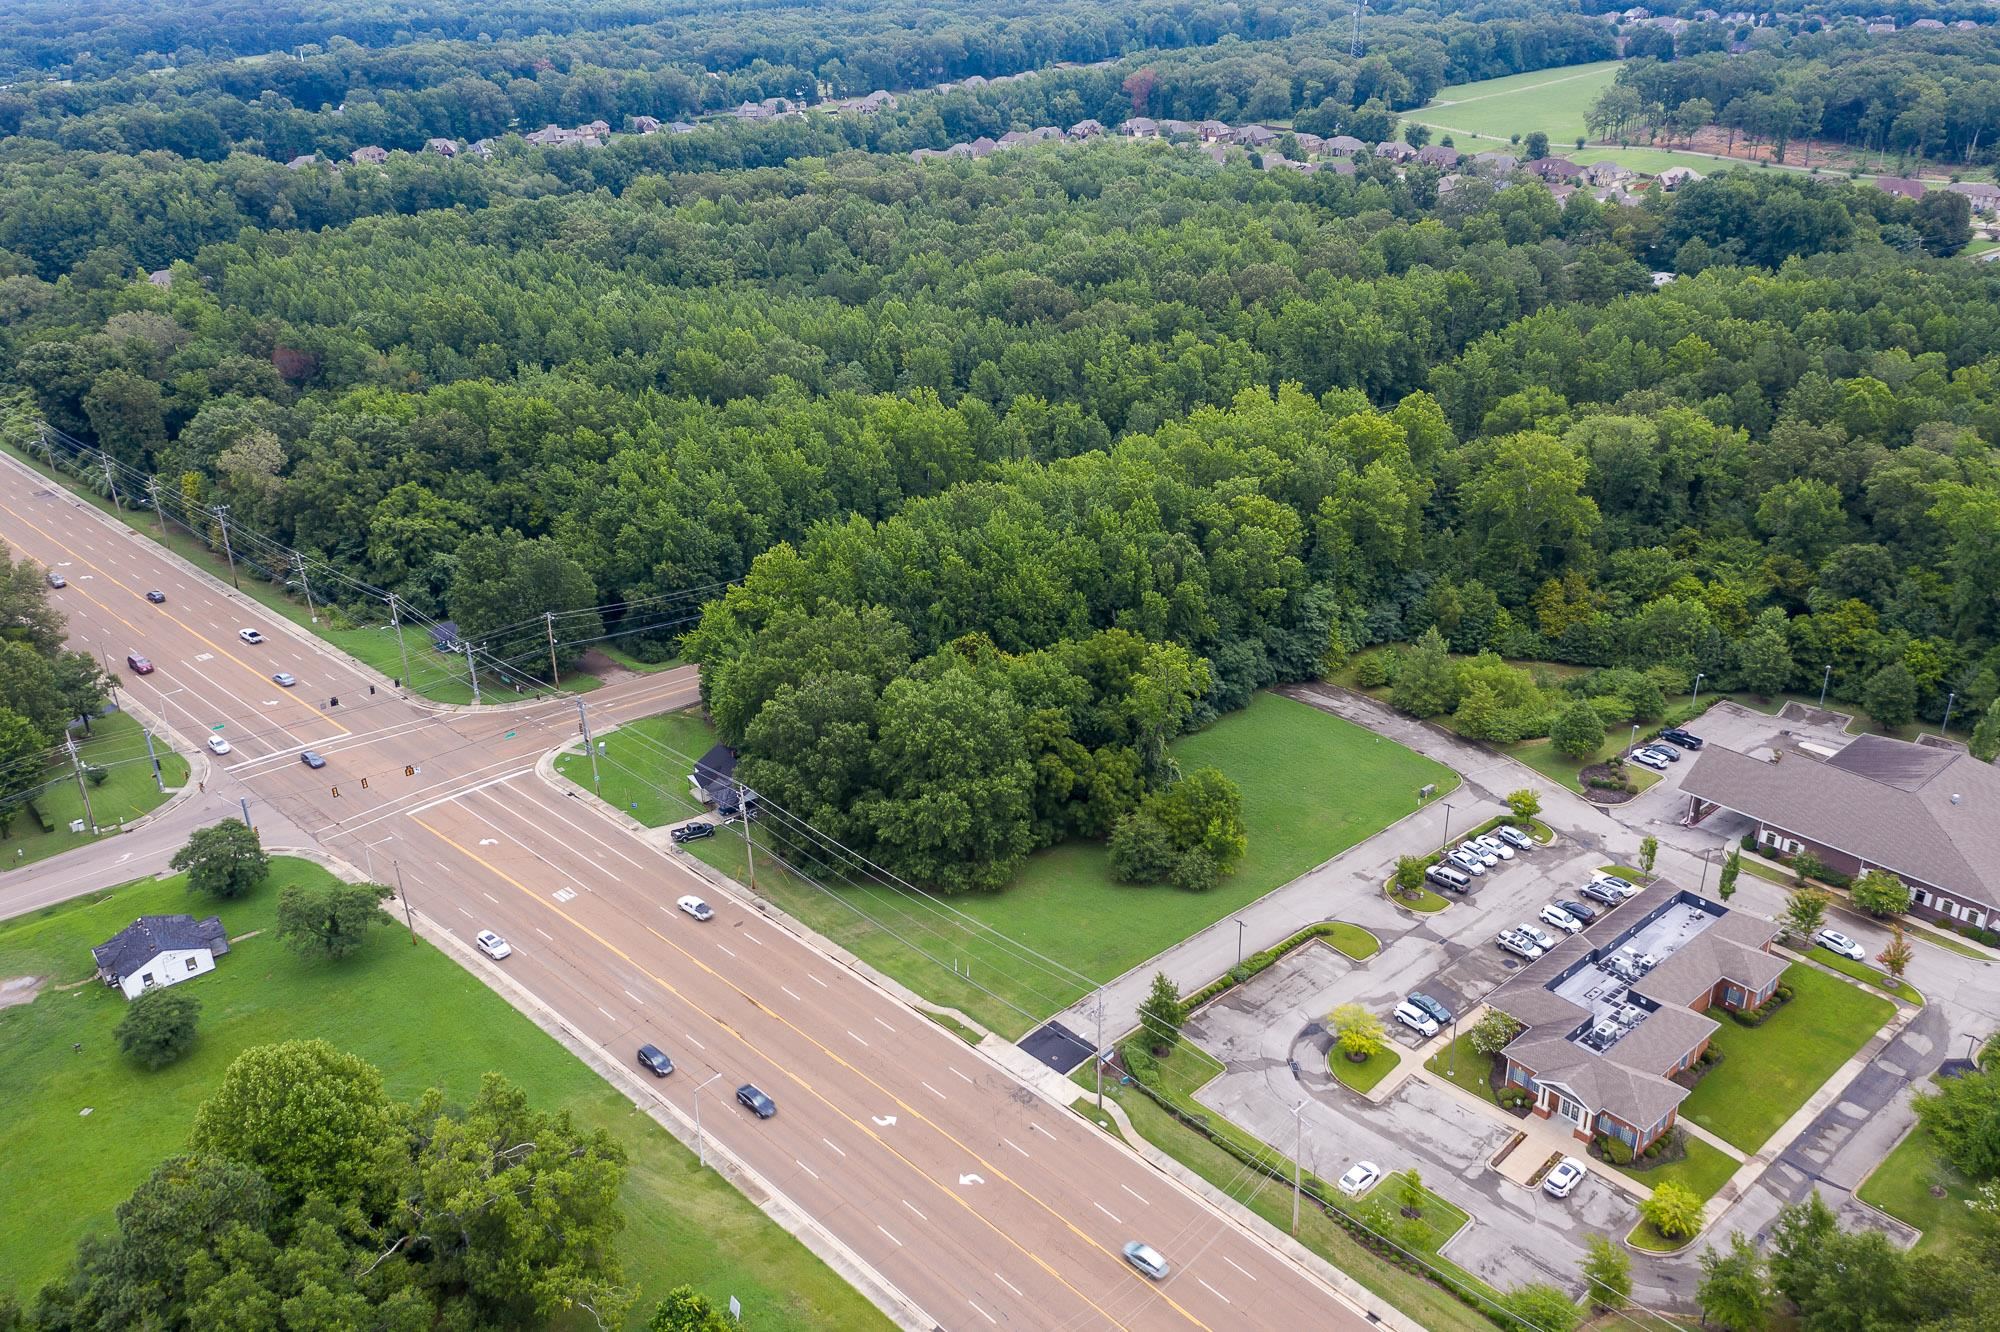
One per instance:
(1768, 1072)
(1313, 785)
(408, 1009)
(118, 745)
(1463, 1066)
(1550, 100)
(1902, 1184)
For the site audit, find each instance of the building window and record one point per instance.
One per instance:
(193, 963)
(1733, 997)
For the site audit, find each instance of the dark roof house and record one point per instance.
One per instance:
(714, 778)
(1906, 186)
(160, 950)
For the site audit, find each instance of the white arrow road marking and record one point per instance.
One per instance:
(489, 841)
(970, 1179)
(885, 1121)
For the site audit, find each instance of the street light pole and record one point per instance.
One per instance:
(1824, 681)
(1950, 699)
(408, 918)
(1097, 1056)
(1698, 678)
(1447, 822)
(588, 747)
(1298, 1145)
(700, 1142)
(1239, 943)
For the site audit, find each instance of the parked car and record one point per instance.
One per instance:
(1836, 942)
(1519, 944)
(1416, 1019)
(763, 1106)
(1472, 865)
(1625, 888)
(692, 832)
(1439, 1013)
(1561, 1181)
(1580, 910)
(157, 597)
(286, 678)
(695, 907)
(1674, 735)
(1543, 939)
(1514, 837)
(1597, 892)
(1360, 1177)
(250, 635)
(312, 759)
(491, 944)
(1147, 1259)
(655, 1061)
(1493, 845)
(57, 580)
(1562, 920)
(139, 664)
(1479, 853)
(1450, 877)
(1646, 758)
(217, 745)
(1667, 752)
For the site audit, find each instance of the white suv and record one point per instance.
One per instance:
(491, 944)
(1416, 1019)
(1562, 920)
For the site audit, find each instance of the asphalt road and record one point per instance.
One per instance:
(983, 1205)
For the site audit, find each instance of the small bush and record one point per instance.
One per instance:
(1617, 1152)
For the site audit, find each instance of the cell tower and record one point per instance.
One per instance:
(1355, 48)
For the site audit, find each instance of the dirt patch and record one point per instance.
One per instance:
(20, 990)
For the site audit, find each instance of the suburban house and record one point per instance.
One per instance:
(1345, 145)
(1256, 136)
(302, 161)
(160, 950)
(1394, 151)
(1907, 186)
(1496, 164)
(1556, 168)
(1927, 814)
(1140, 127)
(1983, 197)
(1675, 177)
(1085, 129)
(1212, 131)
(1438, 156)
(555, 136)
(713, 781)
(1613, 1013)
(370, 154)
(442, 147)
(1607, 173)
(645, 124)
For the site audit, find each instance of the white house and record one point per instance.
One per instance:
(160, 950)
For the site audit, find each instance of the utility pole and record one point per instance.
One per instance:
(153, 495)
(749, 842)
(110, 482)
(1239, 943)
(401, 892)
(305, 583)
(1097, 1055)
(222, 518)
(244, 801)
(591, 749)
(1447, 821)
(1298, 1145)
(471, 671)
(82, 787)
(554, 674)
(153, 759)
(397, 621)
(700, 1142)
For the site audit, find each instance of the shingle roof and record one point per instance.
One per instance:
(147, 937)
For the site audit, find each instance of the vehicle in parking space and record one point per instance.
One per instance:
(1416, 1019)
(692, 832)
(157, 597)
(312, 759)
(1674, 735)
(57, 580)
(1563, 1177)
(1543, 939)
(655, 1061)
(250, 635)
(763, 1106)
(1360, 1177)
(139, 664)
(1836, 942)
(1561, 919)
(1147, 1259)
(1447, 876)
(695, 907)
(1597, 892)
(1472, 865)
(1438, 1011)
(217, 745)
(1625, 888)
(1493, 846)
(286, 678)
(1582, 911)
(491, 944)
(1519, 944)
(1667, 752)
(1514, 837)
(1479, 853)
(1646, 758)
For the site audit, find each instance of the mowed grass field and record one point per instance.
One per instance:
(1550, 100)
(117, 744)
(1313, 785)
(406, 1008)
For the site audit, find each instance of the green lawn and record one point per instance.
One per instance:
(1425, 901)
(1847, 966)
(1768, 1072)
(408, 1009)
(1550, 100)
(1703, 1170)
(1902, 1184)
(1365, 1076)
(1313, 785)
(118, 745)
(1460, 1064)
(1351, 940)
(1542, 757)
(1644, 1236)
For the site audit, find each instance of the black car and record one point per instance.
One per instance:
(764, 1106)
(692, 832)
(1674, 735)
(655, 1061)
(157, 597)
(1586, 914)
(1436, 1011)
(312, 760)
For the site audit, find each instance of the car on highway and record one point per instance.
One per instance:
(697, 908)
(157, 597)
(1836, 942)
(1439, 1013)
(139, 665)
(217, 745)
(692, 832)
(1674, 735)
(1581, 911)
(1562, 920)
(1147, 1259)
(1493, 846)
(491, 944)
(1416, 1019)
(57, 580)
(1561, 1181)
(1514, 837)
(1519, 944)
(1360, 1177)
(312, 759)
(760, 1104)
(286, 678)
(250, 635)
(1646, 758)
(655, 1061)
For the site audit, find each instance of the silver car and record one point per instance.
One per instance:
(1519, 944)
(1494, 846)
(1479, 853)
(1147, 1259)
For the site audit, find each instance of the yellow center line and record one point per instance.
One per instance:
(867, 1129)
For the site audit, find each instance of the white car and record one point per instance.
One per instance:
(695, 907)
(286, 679)
(1360, 1177)
(1479, 853)
(1543, 939)
(1625, 888)
(491, 944)
(217, 745)
(1519, 944)
(1836, 942)
(1416, 1019)
(1561, 1181)
(1514, 837)
(1470, 864)
(1494, 846)
(1147, 1259)
(1646, 758)
(250, 635)
(1562, 920)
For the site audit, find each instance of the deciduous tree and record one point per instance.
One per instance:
(1357, 1032)
(1607, 1275)
(1805, 909)
(1578, 732)
(224, 860)
(1735, 1292)
(330, 920)
(1674, 1210)
(1880, 893)
(1161, 1014)
(159, 1025)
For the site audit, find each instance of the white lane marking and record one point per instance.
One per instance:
(1039, 1129)
(441, 865)
(1010, 1143)
(725, 950)
(1233, 1263)
(751, 937)
(885, 1231)
(607, 1012)
(1008, 1284)
(1136, 1194)
(463, 912)
(920, 1216)
(545, 934)
(695, 1043)
(817, 981)
(830, 1142)
(564, 894)
(857, 1038)
(637, 1000)
(932, 1090)
(1213, 1291)
(981, 1312)
(788, 990)
(1106, 1210)
(489, 897)
(803, 1166)
(969, 1080)
(885, 1026)
(457, 795)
